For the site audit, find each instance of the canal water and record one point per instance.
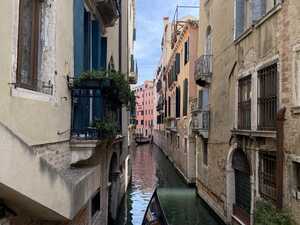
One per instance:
(151, 169)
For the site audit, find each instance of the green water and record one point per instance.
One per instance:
(151, 169)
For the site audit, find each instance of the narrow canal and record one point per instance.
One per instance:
(151, 169)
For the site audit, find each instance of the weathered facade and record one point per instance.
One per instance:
(54, 170)
(248, 64)
(180, 88)
(144, 109)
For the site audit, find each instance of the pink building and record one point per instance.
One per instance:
(144, 108)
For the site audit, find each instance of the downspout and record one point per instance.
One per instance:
(280, 156)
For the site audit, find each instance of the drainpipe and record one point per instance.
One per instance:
(280, 156)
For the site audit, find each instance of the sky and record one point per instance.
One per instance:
(149, 25)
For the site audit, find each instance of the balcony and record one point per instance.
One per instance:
(132, 78)
(171, 124)
(200, 118)
(203, 70)
(93, 123)
(109, 10)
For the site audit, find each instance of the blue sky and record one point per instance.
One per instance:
(149, 24)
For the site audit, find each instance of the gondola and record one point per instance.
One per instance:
(179, 206)
(140, 140)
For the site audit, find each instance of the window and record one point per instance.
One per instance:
(142, 122)
(267, 176)
(297, 176)
(169, 106)
(178, 142)
(96, 203)
(244, 103)
(186, 52)
(267, 100)
(29, 42)
(297, 77)
(185, 97)
(178, 96)
(185, 145)
(243, 14)
(205, 153)
(177, 63)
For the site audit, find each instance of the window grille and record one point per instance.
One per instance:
(267, 100)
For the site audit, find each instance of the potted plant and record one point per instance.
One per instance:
(106, 129)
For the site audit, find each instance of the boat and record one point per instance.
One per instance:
(179, 206)
(140, 140)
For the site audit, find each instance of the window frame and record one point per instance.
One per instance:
(244, 105)
(34, 48)
(267, 161)
(264, 95)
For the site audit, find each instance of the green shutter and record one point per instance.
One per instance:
(185, 97)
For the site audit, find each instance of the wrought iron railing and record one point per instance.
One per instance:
(88, 107)
(267, 101)
(45, 87)
(203, 67)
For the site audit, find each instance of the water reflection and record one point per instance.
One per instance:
(150, 168)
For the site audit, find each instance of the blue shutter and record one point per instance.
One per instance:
(103, 53)
(78, 37)
(96, 50)
(87, 40)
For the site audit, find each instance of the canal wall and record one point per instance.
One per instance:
(166, 142)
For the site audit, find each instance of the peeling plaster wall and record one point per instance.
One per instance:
(22, 110)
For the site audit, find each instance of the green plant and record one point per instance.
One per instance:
(267, 214)
(117, 93)
(107, 129)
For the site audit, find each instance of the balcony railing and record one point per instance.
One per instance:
(200, 121)
(109, 10)
(203, 70)
(88, 107)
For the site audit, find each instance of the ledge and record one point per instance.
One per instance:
(295, 110)
(256, 133)
(268, 15)
(242, 36)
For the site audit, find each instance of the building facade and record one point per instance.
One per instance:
(54, 168)
(144, 109)
(248, 66)
(174, 104)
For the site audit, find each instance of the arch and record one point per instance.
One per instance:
(239, 185)
(113, 188)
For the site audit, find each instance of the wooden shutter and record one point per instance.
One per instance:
(178, 102)
(177, 64)
(78, 36)
(185, 97)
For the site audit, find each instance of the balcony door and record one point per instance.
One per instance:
(203, 99)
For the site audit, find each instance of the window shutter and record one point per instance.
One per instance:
(131, 63)
(185, 97)
(177, 63)
(177, 102)
(240, 17)
(200, 99)
(96, 43)
(78, 9)
(103, 61)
